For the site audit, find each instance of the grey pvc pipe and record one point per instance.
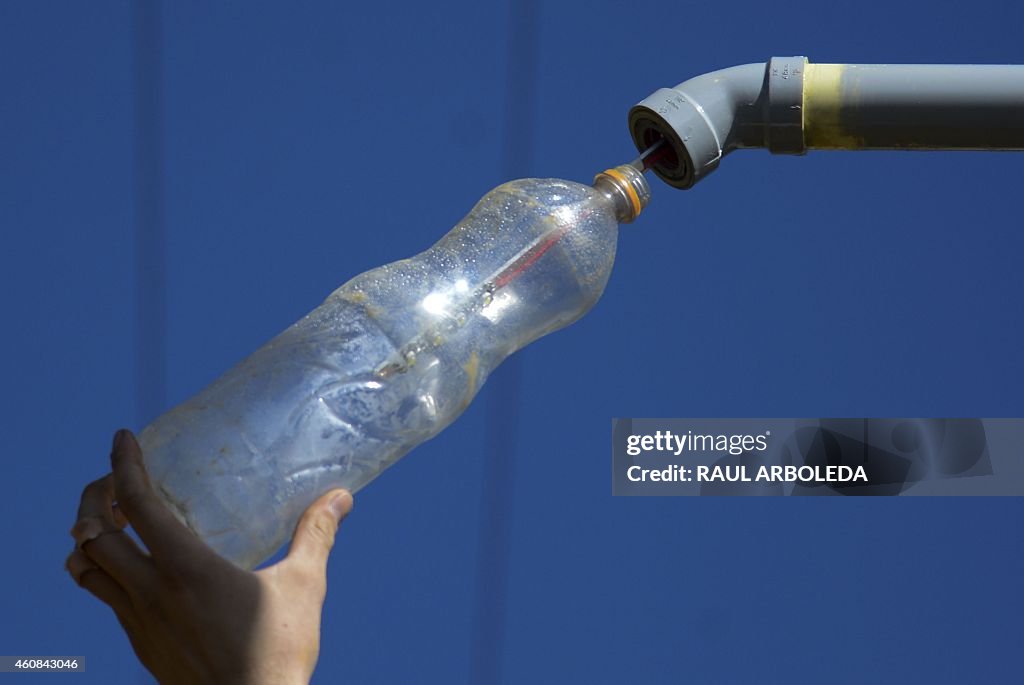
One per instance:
(920, 106)
(789, 106)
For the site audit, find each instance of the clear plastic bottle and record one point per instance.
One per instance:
(386, 362)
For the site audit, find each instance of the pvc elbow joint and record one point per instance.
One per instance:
(704, 118)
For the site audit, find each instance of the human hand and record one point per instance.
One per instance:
(191, 615)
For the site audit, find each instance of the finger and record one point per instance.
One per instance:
(314, 535)
(98, 501)
(98, 583)
(118, 555)
(119, 517)
(78, 563)
(98, 533)
(167, 538)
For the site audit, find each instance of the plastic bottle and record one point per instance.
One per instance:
(386, 362)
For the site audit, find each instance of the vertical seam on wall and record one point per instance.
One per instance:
(150, 260)
(502, 406)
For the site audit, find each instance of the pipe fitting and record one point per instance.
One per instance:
(705, 118)
(788, 106)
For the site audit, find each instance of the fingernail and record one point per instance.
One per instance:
(340, 504)
(118, 437)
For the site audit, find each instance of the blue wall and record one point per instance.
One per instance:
(254, 156)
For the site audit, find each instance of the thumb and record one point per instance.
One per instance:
(314, 535)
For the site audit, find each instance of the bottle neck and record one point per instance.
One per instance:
(627, 190)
